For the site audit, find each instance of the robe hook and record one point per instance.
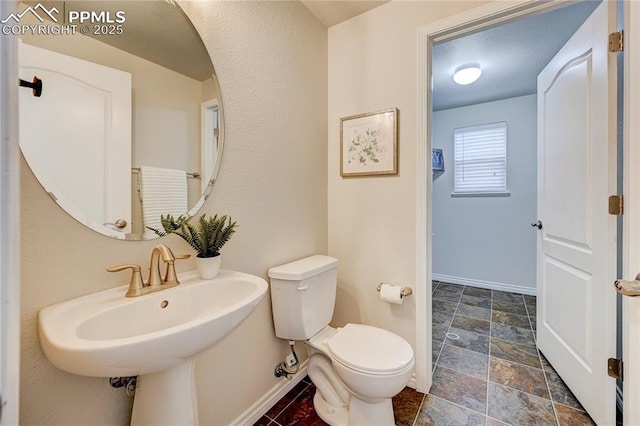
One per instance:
(36, 86)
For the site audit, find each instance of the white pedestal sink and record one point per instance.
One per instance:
(155, 336)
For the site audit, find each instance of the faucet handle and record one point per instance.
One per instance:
(170, 276)
(136, 285)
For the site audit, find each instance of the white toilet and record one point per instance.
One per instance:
(356, 369)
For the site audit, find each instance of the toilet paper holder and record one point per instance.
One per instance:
(406, 291)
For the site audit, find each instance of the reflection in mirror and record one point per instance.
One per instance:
(129, 124)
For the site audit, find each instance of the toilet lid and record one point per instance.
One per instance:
(370, 349)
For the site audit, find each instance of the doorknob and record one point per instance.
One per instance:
(628, 288)
(537, 224)
(120, 223)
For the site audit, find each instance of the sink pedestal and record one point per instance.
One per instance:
(167, 397)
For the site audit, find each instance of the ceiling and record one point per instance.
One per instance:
(511, 56)
(333, 12)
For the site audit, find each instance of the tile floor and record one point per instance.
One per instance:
(487, 370)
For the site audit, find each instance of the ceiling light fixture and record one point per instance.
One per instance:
(467, 74)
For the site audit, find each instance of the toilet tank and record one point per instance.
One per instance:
(303, 294)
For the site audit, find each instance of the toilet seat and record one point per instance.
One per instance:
(370, 350)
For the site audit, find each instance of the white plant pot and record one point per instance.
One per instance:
(208, 267)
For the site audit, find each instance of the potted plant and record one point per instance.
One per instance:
(206, 237)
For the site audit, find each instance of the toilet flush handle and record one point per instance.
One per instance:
(303, 287)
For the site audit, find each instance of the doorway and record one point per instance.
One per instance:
(445, 31)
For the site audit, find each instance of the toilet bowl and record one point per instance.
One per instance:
(372, 364)
(356, 369)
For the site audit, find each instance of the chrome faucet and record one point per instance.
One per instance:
(156, 282)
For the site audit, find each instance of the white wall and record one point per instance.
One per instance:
(372, 220)
(488, 240)
(271, 60)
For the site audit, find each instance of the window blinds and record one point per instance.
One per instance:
(480, 158)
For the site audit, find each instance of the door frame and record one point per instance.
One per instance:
(472, 20)
(9, 228)
(631, 222)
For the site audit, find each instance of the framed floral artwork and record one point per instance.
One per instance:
(369, 144)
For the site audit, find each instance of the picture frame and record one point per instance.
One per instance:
(369, 144)
(437, 160)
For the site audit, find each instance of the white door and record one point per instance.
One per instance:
(80, 149)
(577, 242)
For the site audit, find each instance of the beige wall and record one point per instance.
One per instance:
(372, 220)
(271, 59)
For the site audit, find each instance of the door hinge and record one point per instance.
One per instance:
(616, 205)
(616, 42)
(614, 368)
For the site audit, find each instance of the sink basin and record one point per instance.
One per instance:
(155, 337)
(107, 334)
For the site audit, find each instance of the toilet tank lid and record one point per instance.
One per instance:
(303, 268)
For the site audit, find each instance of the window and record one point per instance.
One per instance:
(480, 159)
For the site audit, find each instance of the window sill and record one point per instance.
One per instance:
(481, 194)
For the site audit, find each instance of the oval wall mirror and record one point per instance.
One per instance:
(129, 124)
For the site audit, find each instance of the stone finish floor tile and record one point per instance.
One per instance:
(515, 407)
(503, 296)
(436, 347)
(301, 411)
(406, 406)
(531, 303)
(472, 324)
(521, 336)
(453, 288)
(460, 389)
(442, 317)
(510, 319)
(522, 354)
(464, 361)
(443, 305)
(439, 412)
(570, 417)
(480, 302)
(559, 391)
(494, 422)
(443, 294)
(474, 312)
(469, 340)
(263, 421)
(533, 321)
(477, 292)
(526, 379)
(439, 331)
(511, 308)
(286, 400)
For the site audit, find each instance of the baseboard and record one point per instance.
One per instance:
(485, 284)
(260, 407)
(413, 382)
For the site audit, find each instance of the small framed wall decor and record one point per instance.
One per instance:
(369, 144)
(437, 160)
